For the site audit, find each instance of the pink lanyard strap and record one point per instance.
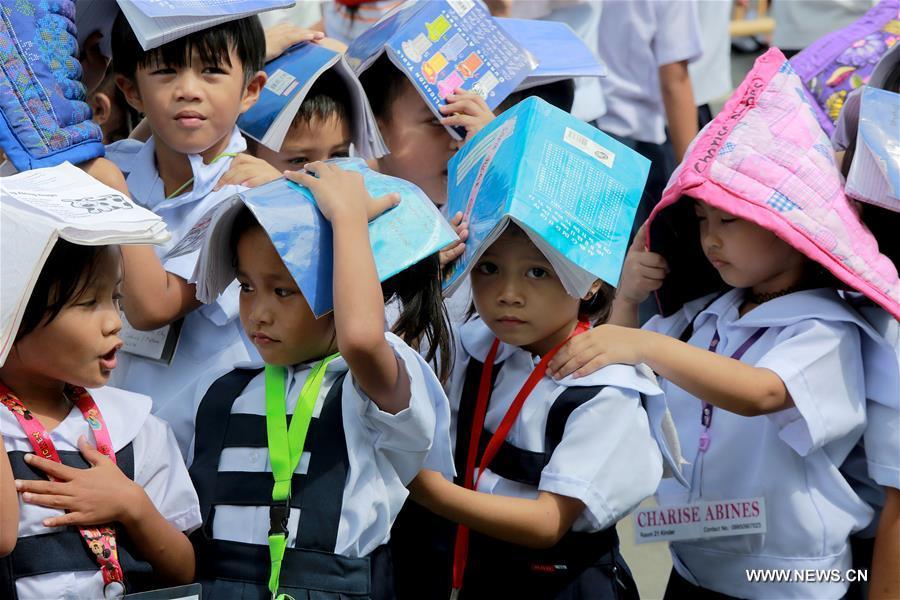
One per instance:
(101, 541)
(707, 413)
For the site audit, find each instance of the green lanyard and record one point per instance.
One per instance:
(285, 448)
(191, 180)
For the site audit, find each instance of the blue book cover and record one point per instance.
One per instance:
(289, 79)
(559, 52)
(400, 238)
(442, 45)
(874, 175)
(207, 8)
(572, 188)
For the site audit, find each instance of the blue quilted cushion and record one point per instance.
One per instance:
(45, 120)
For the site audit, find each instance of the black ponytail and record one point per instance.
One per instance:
(423, 317)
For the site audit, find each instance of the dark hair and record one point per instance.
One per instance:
(64, 278)
(383, 83)
(423, 317)
(213, 44)
(560, 94)
(327, 99)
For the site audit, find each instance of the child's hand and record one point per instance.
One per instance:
(248, 171)
(98, 495)
(643, 272)
(597, 348)
(341, 194)
(284, 35)
(455, 249)
(466, 109)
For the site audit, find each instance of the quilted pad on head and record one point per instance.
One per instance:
(765, 158)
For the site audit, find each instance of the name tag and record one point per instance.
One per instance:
(158, 344)
(700, 520)
(182, 592)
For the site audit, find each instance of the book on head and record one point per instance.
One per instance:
(38, 207)
(290, 77)
(573, 189)
(442, 45)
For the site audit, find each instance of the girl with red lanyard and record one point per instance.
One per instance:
(104, 496)
(545, 469)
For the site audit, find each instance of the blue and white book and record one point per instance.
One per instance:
(441, 45)
(290, 77)
(573, 189)
(874, 175)
(401, 237)
(157, 22)
(559, 52)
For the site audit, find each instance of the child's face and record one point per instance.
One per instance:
(317, 140)
(420, 146)
(273, 311)
(745, 254)
(192, 109)
(519, 297)
(79, 346)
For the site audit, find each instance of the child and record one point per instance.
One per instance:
(130, 507)
(543, 516)
(374, 404)
(765, 376)
(191, 91)
(876, 468)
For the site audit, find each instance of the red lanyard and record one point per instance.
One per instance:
(101, 541)
(461, 548)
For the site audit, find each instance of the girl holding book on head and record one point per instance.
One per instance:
(545, 469)
(312, 517)
(767, 369)
(104, 499)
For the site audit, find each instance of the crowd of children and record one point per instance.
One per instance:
(401, 447)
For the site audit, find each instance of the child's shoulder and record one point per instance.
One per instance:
(632, 379)
(126, 154)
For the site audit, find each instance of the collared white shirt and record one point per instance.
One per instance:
(636, 38)
(158, 468)
(813, 342)
(212, 338)
(385, 452)
(607, 458)
(711, 73)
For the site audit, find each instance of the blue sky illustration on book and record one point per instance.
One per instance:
(573, 188)
(399, 238)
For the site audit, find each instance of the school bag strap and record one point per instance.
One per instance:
(64, 550)
(45, 119)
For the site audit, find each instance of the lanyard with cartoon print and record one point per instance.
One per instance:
(461, 547)
(285, 448)
(101, 541)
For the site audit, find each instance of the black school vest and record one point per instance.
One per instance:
(310, 565)
(427, 573)
(64, 551)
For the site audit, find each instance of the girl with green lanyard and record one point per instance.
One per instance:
(346, 411)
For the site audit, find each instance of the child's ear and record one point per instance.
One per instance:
(130, 91)
(251, 92)
(101, 106)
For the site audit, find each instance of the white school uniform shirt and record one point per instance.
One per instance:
(799, 24)
(711, 73)
(212, 338)
(607, 458)
(636, 38)
(790, 457)
(385, 452)
(158, 468)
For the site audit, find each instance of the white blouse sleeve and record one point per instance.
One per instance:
(419, 435)
(607, 457)
(160, 470)
(820, 364)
